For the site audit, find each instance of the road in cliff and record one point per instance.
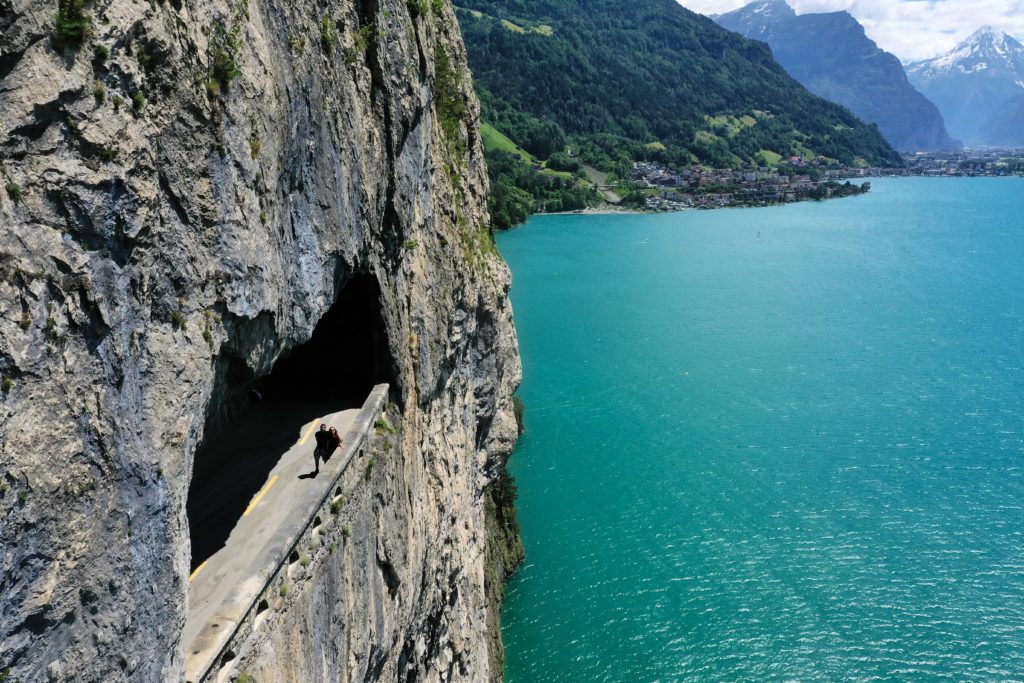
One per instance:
(266, 469)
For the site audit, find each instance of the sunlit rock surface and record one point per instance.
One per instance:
(186, 192)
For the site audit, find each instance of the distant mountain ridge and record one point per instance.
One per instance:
(830, 55)
(975, 86)
(623, 79)
(1003, 129)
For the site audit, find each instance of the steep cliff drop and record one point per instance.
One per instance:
(189, 190)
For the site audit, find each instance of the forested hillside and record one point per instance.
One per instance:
(619, 80)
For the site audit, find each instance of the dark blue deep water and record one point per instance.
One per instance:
(781, 444)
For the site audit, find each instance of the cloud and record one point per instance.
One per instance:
(910, 29)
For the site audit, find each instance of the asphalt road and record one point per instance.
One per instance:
(287, 482)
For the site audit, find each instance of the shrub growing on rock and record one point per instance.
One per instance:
(328, 33)
(224, 47)
(14, 192)
(72, 24)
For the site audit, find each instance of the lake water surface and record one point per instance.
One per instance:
(779, 444)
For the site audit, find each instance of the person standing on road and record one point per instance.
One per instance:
(333, 442)
(322, 445)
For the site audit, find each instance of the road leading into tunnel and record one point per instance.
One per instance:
(287, 484)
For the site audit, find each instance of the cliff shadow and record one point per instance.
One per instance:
(254, 421)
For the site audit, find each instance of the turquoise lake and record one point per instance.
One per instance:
(779, 444)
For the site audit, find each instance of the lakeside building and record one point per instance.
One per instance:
(696, 186)
(699, 187)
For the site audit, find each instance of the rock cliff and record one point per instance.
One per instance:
(187, 188)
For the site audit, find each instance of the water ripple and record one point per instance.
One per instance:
(794, 458)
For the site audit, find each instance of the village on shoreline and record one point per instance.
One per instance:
(654, 187)
(658, 188)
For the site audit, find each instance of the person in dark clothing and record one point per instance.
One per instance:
(322, 445)
(333, 442)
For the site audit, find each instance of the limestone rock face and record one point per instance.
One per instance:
(187, 186)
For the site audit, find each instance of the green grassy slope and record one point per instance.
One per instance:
(495, 141)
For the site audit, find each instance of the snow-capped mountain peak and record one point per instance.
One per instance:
(986, 49)
(973, 83)
(994, 42)
(770, 8)
(762, 11)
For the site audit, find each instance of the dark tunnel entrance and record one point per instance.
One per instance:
(258, 420)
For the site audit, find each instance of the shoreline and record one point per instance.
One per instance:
(595, 211)
(612, 210)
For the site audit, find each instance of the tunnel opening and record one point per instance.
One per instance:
(257, 420)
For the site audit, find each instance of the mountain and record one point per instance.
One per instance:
(832, 57)
(758, 20)
(971, 83)
(1004, 128)
(622, 80)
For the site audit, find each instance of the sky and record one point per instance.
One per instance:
(910, 29)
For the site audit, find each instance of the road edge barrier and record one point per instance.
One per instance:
(215, 648)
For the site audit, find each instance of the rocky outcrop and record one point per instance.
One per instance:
(187, 189)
